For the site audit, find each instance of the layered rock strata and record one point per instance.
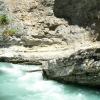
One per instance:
(82, 67)
(36, 25)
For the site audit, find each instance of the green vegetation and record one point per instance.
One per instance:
(9, 32)
(4, 19)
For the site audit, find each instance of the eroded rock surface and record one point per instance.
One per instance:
(37, 26)
(83, 13)
(82, 67)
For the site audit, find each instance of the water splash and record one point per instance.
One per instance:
(18, 85)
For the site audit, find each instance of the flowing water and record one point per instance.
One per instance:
(15, 84)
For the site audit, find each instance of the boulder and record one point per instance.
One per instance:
(82, 67)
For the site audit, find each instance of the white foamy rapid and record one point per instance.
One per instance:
(16, 84)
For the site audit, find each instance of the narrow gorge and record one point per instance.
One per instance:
(63, 36)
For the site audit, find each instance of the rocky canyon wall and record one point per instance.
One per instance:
(85, 13)
(82, 13)
(37, 26)
(83, 66)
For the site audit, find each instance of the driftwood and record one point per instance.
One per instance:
(42, 69)
(44, 74)
(30, 71)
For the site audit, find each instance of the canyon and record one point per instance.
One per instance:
(63, 36)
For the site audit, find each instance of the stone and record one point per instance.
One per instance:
(27, 23)
(79, 70)
(78, 12)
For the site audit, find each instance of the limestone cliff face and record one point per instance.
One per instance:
(34, 21)
(37, 25)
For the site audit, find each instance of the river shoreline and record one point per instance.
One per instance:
(59, 64)
(54, 34)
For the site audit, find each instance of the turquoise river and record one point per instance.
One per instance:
(16, 84)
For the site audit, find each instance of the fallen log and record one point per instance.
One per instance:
(30, 71)
(44, 74)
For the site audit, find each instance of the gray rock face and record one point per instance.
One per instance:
(37, 25)
(34, 21)
(82, 67)
(78, 12)
(74, 34)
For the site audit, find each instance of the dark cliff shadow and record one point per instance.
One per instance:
(82, 13)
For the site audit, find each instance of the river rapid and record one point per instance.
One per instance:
(15, 84)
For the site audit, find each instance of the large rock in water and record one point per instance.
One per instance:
(82, 67)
